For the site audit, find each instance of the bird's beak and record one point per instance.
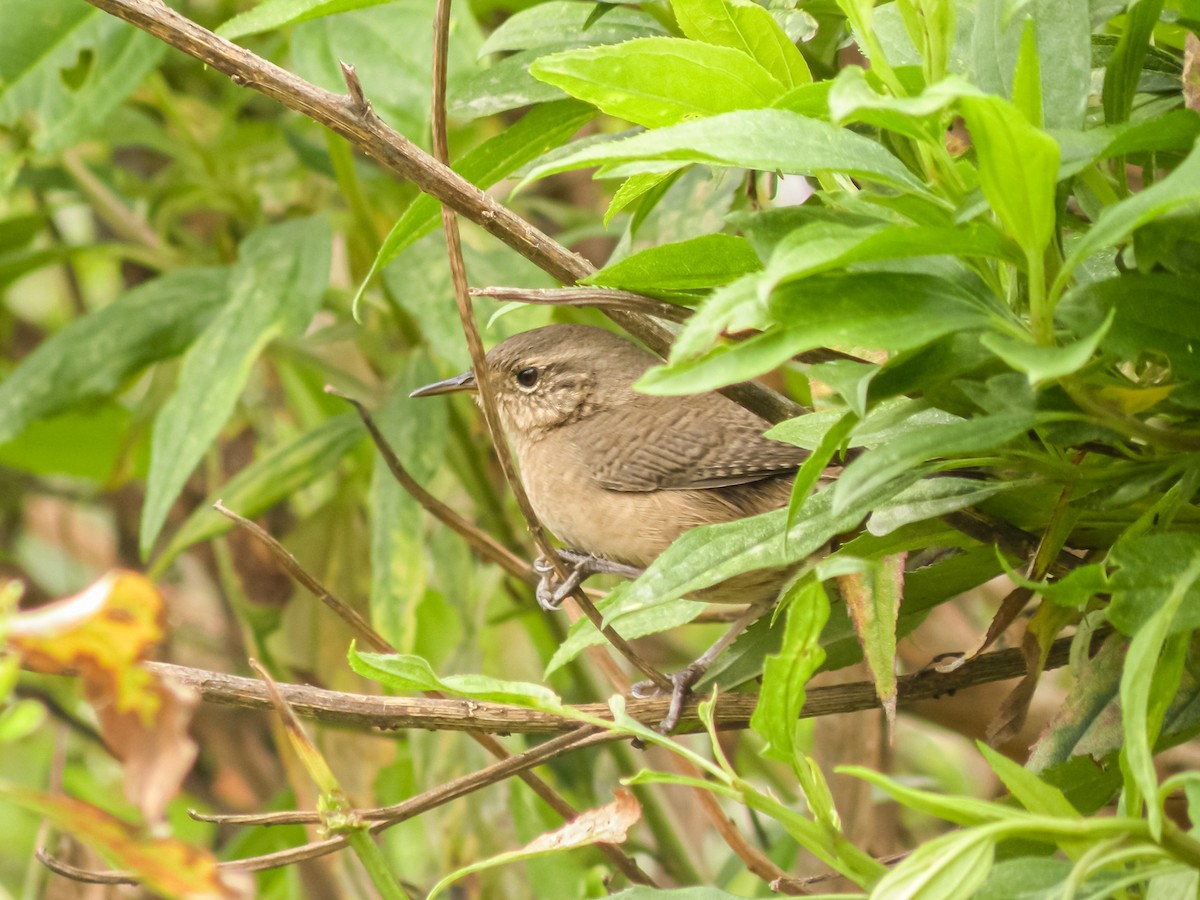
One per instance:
(463, 382)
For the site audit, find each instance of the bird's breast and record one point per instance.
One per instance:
(629, 527)
(632, 527)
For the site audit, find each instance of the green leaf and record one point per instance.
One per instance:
(748, 27)
(893, 311)
(1147, 570)
(417, 431)
(1024, 878)
(559, 21)
(950, 867)
(887, 419)
(907, 451)
(1040, 363)
(271, 14)
(769, 139)
(89, 442)
(1031, 792)
(635, 186)
(928, 499)
(853, 99)
(541, 129)
(808, 100)
(813, 467)
(956, 808)
(822, 246)
(702, 262)
(275, 476)
(1018, 169)
(19, 719)
(1179, 189)
(64, 68)
(281, 275)
(503, 86)
(412, 673)
(1027, 80)
(658, 81)
(785, 674)
(1145, 691)
(631, 620)
(1153, 315)
(95, 355)
(1064, 55)
(711, 554)
(1125, 65)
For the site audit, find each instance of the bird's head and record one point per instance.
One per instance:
(553, 376)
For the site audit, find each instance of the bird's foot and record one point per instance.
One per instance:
(551, 591)
(681, 687)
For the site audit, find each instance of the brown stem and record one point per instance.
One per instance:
(482, 542)
(435, 797)
(487, 741)
(487, 390)
(344, 611)
(351, 117)
(597, 298)
(733, 711)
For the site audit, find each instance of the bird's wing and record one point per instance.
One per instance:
(681, 443)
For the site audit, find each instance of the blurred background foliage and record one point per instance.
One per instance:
(180, 258)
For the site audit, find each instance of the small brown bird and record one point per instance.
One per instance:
(619, 475)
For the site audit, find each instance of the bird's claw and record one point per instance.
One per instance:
(681, 687)
(551, 592)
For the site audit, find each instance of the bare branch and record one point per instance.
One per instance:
(354, 120)
(487, 394)
(438, 796)
(482, 542)
(345, 612)
(596, 298)
(732, 711)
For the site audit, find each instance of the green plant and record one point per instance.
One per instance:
(991, 293)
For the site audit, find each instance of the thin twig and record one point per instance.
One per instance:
(482, 542)
(344, 611)
(554, 748)
(458, 274)
(352, 117)
(487, 741)
(1013, 541)
(487, 391)
(596, 298)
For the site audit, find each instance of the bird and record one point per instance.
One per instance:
(617, 475)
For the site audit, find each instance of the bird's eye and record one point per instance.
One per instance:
(527, 378)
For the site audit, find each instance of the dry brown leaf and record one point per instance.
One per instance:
(167, 866)
(155, 756)
(102, 634)
(1191, 71)
(608, 824)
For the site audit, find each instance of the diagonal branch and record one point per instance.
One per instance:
(483, 381)
(352, 117)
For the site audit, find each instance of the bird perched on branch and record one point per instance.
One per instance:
(617, 475)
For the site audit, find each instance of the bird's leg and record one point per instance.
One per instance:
(551, 592)
(685, 678)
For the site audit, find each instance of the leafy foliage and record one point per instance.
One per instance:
(963, 232)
